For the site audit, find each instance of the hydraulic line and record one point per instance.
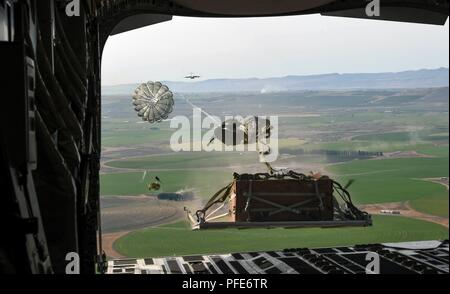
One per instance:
(46, 107)
(73, 60)
(57, 93)
(70, 75)
(64, 80)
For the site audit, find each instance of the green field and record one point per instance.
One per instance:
(411, 137)
(134, 137)
(386, 137)
(441, 151)
(187, 160)
(179, 239)
(392, 180)
(204, 183)
(131, 130)
(361, 120)
(434, 205)
(375, 146)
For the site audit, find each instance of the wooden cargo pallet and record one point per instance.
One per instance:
(291, 201)
(288, 224)
(276, 224)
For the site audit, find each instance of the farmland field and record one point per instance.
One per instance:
(203, 182)
(183, 241)
(393, 143)
(394, 180)
(186, 160)
(434, 205)
(441, 151)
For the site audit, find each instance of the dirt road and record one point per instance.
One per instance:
(405, 209)
(124, 214)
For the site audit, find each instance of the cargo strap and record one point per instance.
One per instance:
(219, 197)
(249, 196)
(279, 207)
(350, 211)
(316, 187)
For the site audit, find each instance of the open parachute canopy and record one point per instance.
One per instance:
(153, 101)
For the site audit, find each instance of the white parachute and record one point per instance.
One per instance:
(153, 101)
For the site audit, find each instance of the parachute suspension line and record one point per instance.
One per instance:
(353, 211)
(219, 197)
(144, 174)
(203, 111)
(207, 218)
(212, 215)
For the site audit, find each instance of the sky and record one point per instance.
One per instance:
(271, 47)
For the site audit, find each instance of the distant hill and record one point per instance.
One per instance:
(425, 78)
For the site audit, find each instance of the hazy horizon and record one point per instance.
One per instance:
(275, 77)
(270, 47)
